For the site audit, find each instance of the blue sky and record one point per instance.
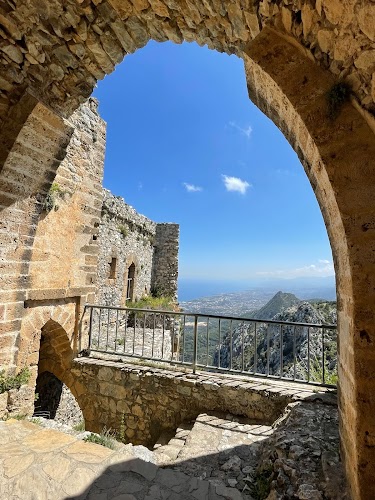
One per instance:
(186, 145)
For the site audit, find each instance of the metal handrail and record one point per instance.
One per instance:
(214, 316)
(291, 351)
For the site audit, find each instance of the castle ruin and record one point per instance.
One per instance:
(295, 53)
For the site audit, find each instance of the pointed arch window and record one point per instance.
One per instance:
(130, 283)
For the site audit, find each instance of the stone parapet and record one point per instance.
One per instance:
(147, 401)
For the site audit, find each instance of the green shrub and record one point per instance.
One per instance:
(13, 382)
(261, 486)
(149, 302)
(153, 303)
(123, 230)
(37, 421)
(80, 426)
(105, 438)
(19, 416)
(52, 198)
(120, 436)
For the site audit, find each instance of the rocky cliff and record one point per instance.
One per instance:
(294, 351)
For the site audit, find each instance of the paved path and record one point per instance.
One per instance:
(45, 464)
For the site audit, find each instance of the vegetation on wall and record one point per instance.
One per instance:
(54, 195)
(13, 382)
(105, 438)
(260, 487)
(123, 230)
(150, 302)
(162, 303)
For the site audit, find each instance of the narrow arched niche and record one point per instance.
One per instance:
(130, 282)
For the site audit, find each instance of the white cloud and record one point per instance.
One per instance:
(323, 268)
(235, 184)
(140, 186)
(191, 188)
(245, 131)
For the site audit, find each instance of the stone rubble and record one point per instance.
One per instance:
(300, 453)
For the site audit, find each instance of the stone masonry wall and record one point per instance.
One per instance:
(149, 401)
(131, 238)
(165, 266)
(127, 237)
(61, 48)
(40, 142)
(64, 255)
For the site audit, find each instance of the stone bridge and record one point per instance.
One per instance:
(147, 401)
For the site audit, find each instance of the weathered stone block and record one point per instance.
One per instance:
(3, 405)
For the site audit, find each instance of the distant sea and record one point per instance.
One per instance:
(303, 288)
(190, 289)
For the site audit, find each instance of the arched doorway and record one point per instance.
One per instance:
(54, 396)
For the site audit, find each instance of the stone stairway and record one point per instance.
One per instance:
(221, 448)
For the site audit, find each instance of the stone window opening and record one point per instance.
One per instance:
(113, 268)
(130, 283)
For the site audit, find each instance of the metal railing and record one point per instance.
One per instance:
(299, 352)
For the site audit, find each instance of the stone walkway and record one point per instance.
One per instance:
(45, 464)
(217, 456)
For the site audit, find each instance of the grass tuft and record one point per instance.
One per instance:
(123, 230)
(261, 486)
(51, 201)
(80, 426)
(105, 438)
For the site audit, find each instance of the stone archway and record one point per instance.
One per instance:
(289, 72)
(55, 397)
(48, 349)
(55, 352)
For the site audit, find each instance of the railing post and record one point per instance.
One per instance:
(323, 360)
(90, 328)
(195, 352)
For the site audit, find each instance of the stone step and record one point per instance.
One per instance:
(167, 449)
(218, 447)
